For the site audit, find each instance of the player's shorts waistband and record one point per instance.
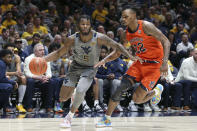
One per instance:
(151, 61)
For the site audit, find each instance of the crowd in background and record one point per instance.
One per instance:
(26, 26)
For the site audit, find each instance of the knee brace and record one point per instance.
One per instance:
(121, 91)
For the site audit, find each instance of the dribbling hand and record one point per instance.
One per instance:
(100, 63)
(164, 69)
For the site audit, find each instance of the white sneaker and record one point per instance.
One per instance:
(133, 107)
(157, 97)
(97, 108)
(86, 108)
(156, 108)
(147, 108)
(67, 122)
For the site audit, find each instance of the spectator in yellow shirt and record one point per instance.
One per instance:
(9, 20)
(28, 34)
(154, 15)
(1, 26)
(38, 28)
(99, 14)
(6, 6)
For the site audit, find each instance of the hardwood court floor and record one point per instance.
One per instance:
(132, 123)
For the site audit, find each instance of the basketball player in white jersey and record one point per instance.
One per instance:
(86, 45)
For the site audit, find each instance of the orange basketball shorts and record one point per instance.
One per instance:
(146, 73)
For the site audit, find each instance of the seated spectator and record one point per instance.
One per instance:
(98, 16)
(6, 85)
(101, 29)
(110, 75)
(9, 21)
(28, 34)
(36, 39)
(184, 47)
(20, 26)
(21, 53)
(24, 41)
(24, 6)
(102, 73)
(15, 73)
(6, 6)
(58, 74)
(54, 31)
(173, 55)
(58, 40)
(178, 30)
(1, 26)
(88, 8)
(39, 28)
(168, 83)
(44, 82)
(186, 79)
(4, 37)
(50, 15)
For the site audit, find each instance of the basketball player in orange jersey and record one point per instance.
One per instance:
(152, 47)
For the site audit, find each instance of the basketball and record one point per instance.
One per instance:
(38, 66)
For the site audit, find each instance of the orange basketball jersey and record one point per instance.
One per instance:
(147, 47)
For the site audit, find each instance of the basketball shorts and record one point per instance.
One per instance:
(75, 72)
(146, 73)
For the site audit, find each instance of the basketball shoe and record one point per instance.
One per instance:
(67, 122)
(157, 97)
(20, 108)
(104, 122)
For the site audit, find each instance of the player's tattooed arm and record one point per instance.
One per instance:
(150, 29)
(63, 50)
(119, 49)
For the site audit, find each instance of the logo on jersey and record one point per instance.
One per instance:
(152, 83)
(139, 31)
(87, 50)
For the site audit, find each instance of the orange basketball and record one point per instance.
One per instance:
(38, 66)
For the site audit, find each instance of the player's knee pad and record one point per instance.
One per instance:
(78, 99)
(121, 91)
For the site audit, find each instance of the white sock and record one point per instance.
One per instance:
(21, 93)
(71, 114)
(96, 102)
(108, 117)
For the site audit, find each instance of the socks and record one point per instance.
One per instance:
(71, 114)
(96, 102)
(108, 117)
(21, 93)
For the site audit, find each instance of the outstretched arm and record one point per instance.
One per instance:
(117, 50)
(105, 40)
(150, 29)
(112, 56)
(63, 50)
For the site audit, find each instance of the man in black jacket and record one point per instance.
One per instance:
(6, 85)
